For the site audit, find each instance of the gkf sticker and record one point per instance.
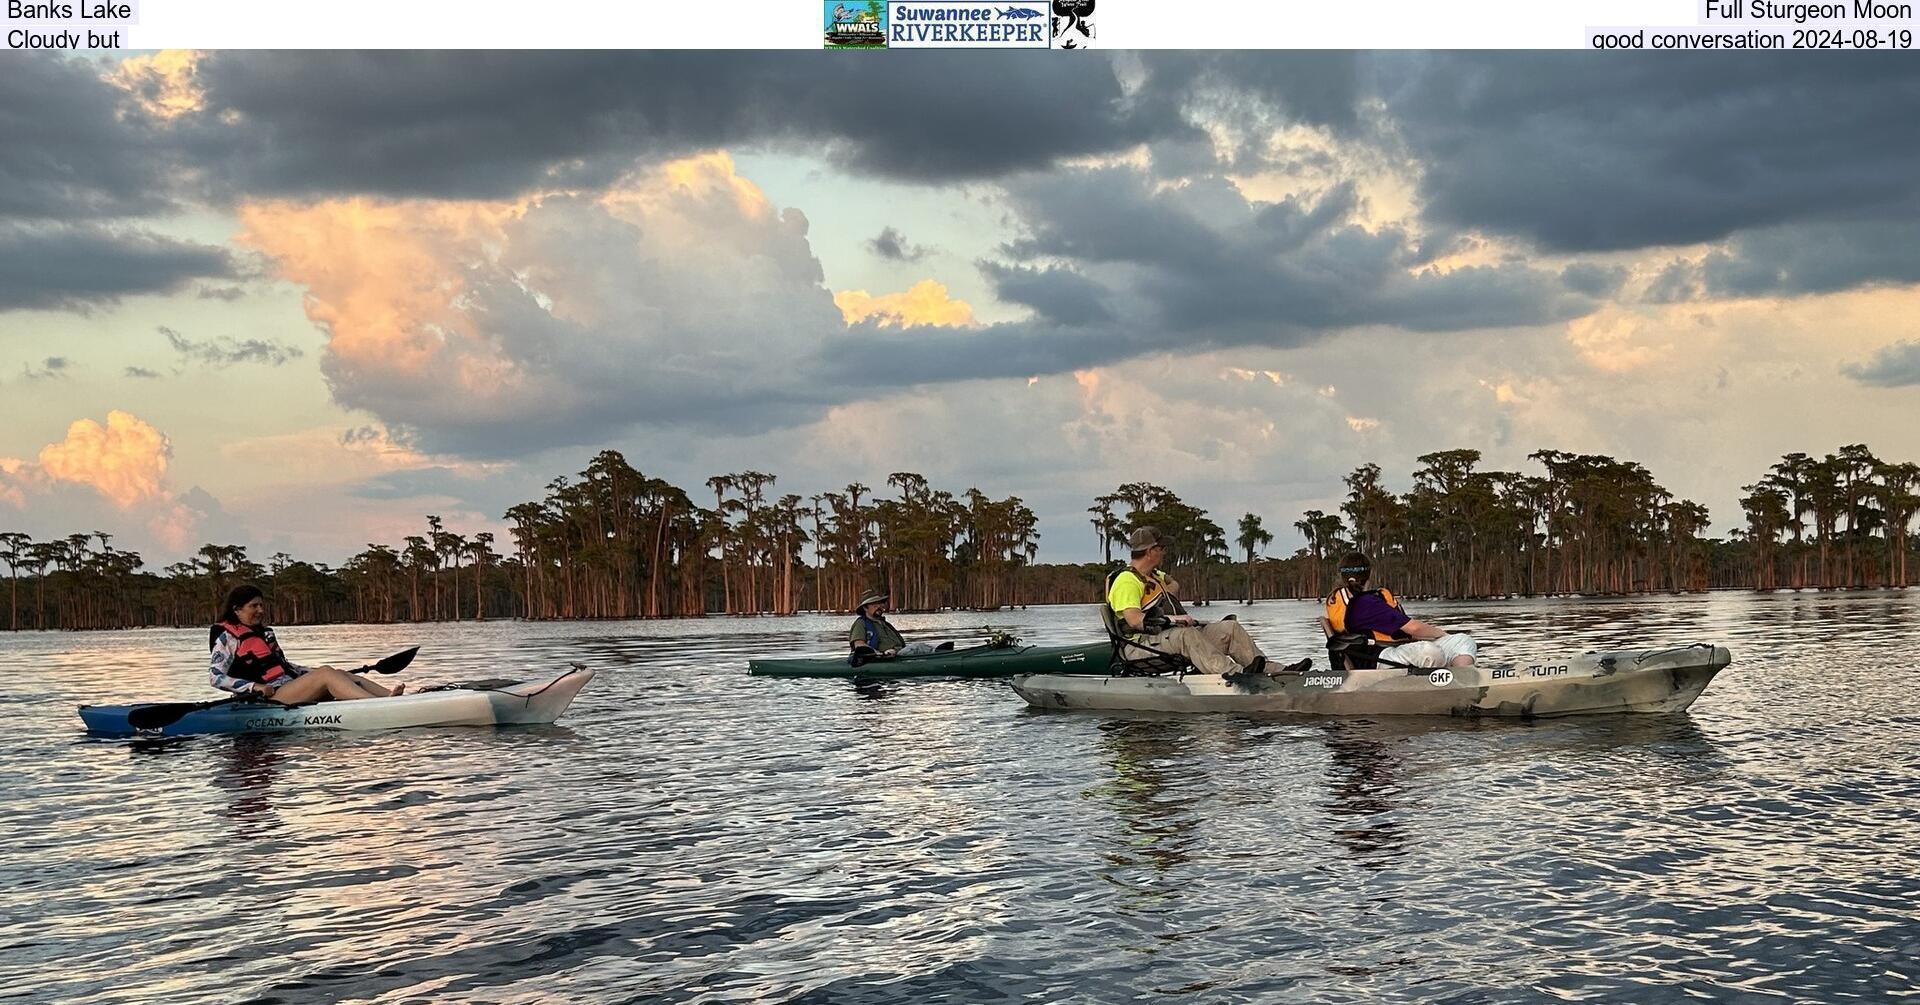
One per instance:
(1073, 24)
(1441, 677)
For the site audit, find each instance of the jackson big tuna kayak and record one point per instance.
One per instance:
(975, 661)
(484, 703)
(1655, 680)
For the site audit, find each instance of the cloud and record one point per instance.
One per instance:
(500, 125)
(17, 477)
(1897, 365)
(227, 352)
(1618, 340)
(1593, 279)
(70, 154)
(892, 245)
(165, 84)
(1680, 152)
(111, 477)
(1795, 260)
(925, 303)
(79, 265)
(350, 458)
(49, 368)
(680, 296)
(124, 460)
(1055, 293)
(1115, 265)
(1210, 266)
(142, 373)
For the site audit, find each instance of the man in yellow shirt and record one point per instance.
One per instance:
(1143, 598)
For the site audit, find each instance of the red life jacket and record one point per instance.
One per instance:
(256, 657)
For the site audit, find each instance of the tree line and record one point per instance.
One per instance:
(612, 542)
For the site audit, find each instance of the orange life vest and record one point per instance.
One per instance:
(1339, 600)
(256, 654)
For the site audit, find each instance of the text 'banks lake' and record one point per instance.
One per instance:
(686, 833)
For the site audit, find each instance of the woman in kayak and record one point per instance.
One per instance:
(247, 660)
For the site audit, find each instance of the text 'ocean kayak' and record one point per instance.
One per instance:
(976, 661)
(1658, 680)
(486, 703)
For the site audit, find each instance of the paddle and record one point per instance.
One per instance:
(165, 714)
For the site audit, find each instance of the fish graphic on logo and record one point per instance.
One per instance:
(1019, 13)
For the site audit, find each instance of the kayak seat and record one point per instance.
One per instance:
(1353, 651)
(1125, 659)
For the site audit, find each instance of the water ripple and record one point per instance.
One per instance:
(688, 834)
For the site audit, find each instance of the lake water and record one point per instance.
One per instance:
(689, 834)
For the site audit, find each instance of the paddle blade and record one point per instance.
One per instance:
(392, 664)
(167, 713)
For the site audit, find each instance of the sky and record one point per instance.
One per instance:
(299, 301)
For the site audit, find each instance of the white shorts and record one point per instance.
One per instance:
(1433, 655)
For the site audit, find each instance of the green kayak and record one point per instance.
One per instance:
(974, 661)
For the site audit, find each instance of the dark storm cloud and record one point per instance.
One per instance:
(1595, 151)
(1251, 92)
(66, 152)
(1593, 280)
(1897, 365)
(1059, 295)
(1206, 267)
(893, 246)
(1797, 260)
(891, 358)
(495, 124)
(80, 265)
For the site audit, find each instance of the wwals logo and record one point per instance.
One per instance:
(856, 25)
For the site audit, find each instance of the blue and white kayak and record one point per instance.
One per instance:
(484, 703)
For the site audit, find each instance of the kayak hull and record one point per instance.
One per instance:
(977, 661)
(528, 702)
(1654, 681)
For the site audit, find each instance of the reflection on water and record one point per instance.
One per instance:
(1362, 787)
(1159, 823)
(690, 834)
(251, 762)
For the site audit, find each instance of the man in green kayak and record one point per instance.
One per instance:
(1142, 596)
(873, 637)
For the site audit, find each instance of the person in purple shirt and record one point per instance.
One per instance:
(1354, 608)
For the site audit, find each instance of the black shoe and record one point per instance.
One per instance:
(1301, 667)
(1259, 665)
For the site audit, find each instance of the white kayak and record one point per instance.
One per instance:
(482, 703)
(1654, 680)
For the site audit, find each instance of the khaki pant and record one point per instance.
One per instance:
(1222, 647)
